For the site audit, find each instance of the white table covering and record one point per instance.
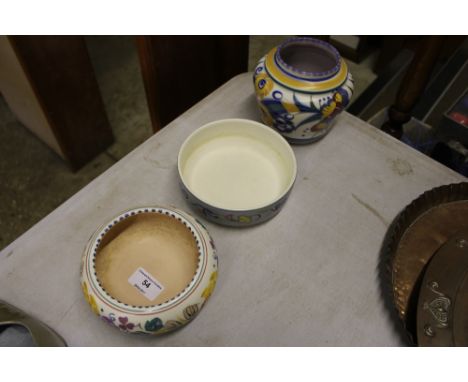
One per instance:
(307, 277)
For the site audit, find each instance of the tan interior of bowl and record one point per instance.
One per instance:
(160, 244)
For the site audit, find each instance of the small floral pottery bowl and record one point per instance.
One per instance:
(236, 172)
(149, 270)
(301, 86)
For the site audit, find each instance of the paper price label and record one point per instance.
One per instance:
(146, 284)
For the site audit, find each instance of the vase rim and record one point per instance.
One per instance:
(313, 42)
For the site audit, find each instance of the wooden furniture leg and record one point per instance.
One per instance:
(49, 83)
(413, 84)
(179, 71)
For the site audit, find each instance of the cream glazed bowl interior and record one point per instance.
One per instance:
(236, 172)
(149, 270)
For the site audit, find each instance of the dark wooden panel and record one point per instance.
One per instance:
(179, 71)
(61, 74)
(148, 72)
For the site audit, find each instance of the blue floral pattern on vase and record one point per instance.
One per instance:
(300, 106)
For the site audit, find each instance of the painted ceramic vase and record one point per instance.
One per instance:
(236, 172)
(301, 86)
(169, 312)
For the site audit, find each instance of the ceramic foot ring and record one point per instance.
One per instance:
(149, 270)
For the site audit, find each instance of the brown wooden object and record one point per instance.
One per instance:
(179, 71)
(62, 78)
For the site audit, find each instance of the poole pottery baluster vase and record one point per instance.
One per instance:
(301, 86)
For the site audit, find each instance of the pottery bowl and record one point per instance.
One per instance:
(149, 270)
(236, 172)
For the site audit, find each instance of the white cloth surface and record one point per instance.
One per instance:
(307, 277)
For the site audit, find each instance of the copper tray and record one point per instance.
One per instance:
(442, 315)
(411, 241)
